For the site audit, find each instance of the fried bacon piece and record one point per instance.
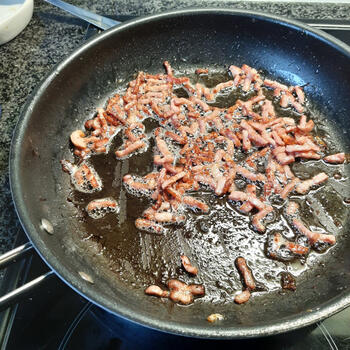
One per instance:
(188, 266)
(195, 203)
(215, 317)
(78, 139)
(250, 175)
(305, 186)
(288, 281)
(182, 293)
(163, 148)
(245, 273)
(130, 148)
(289, 188)
(247, 206)
(279, 248)
(156, 291)
(149, 185)
(149, 226)
(173, 179)
(257, 218)
(242, 297)
(338, 158)
(305, 126)
(313, 237)
(98, 208)
(242, 196)
(83, 177)
(202, 71)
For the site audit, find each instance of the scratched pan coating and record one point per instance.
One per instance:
(286, 51)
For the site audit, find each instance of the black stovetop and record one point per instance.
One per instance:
(53, 316)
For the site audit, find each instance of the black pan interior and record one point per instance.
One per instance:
(70, 95)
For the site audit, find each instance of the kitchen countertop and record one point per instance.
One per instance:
(51, 35)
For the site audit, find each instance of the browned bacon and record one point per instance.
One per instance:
(289, 188)
(259, 217)
(173, 179)
(140, 186)
(163, 148)
(182, 293)
(337, 158)
(313, 236)
(83, 177)
(156, 291)
(245, 273)
(98, 208)
(278, 247)
(250, 175)
(214, 317)
(253, 135)
(148, 225)
(242, 297)
(305, 186)
(288, 281)
(188, 266)
(130, 148)
(247, 206)
(202, 71)
(195, 203)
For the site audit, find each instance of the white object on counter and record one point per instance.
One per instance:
(14, 17)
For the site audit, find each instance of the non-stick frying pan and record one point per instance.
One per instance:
(214, 38)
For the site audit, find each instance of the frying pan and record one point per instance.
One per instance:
(287, 50)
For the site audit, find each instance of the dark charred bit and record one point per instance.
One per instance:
(246, 273)
(288, 281)
(321, 247)
(188, 266)
(279, 248)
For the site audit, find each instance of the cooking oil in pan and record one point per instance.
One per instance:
(212, 241)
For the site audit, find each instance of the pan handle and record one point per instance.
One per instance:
(13, 296)
(13, 256)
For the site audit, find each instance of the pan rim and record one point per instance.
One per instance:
(304, 319)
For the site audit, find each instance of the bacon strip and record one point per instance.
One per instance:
(130, 148)
(98, 208)
(258, 218)
(289, 188)
(305, 186)
(173, 179)
(148, 225)
(245, 273)
(313, 237)
(242, 297)
(193, 202)
(338, 158)
(188, 266)
(156, 291)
